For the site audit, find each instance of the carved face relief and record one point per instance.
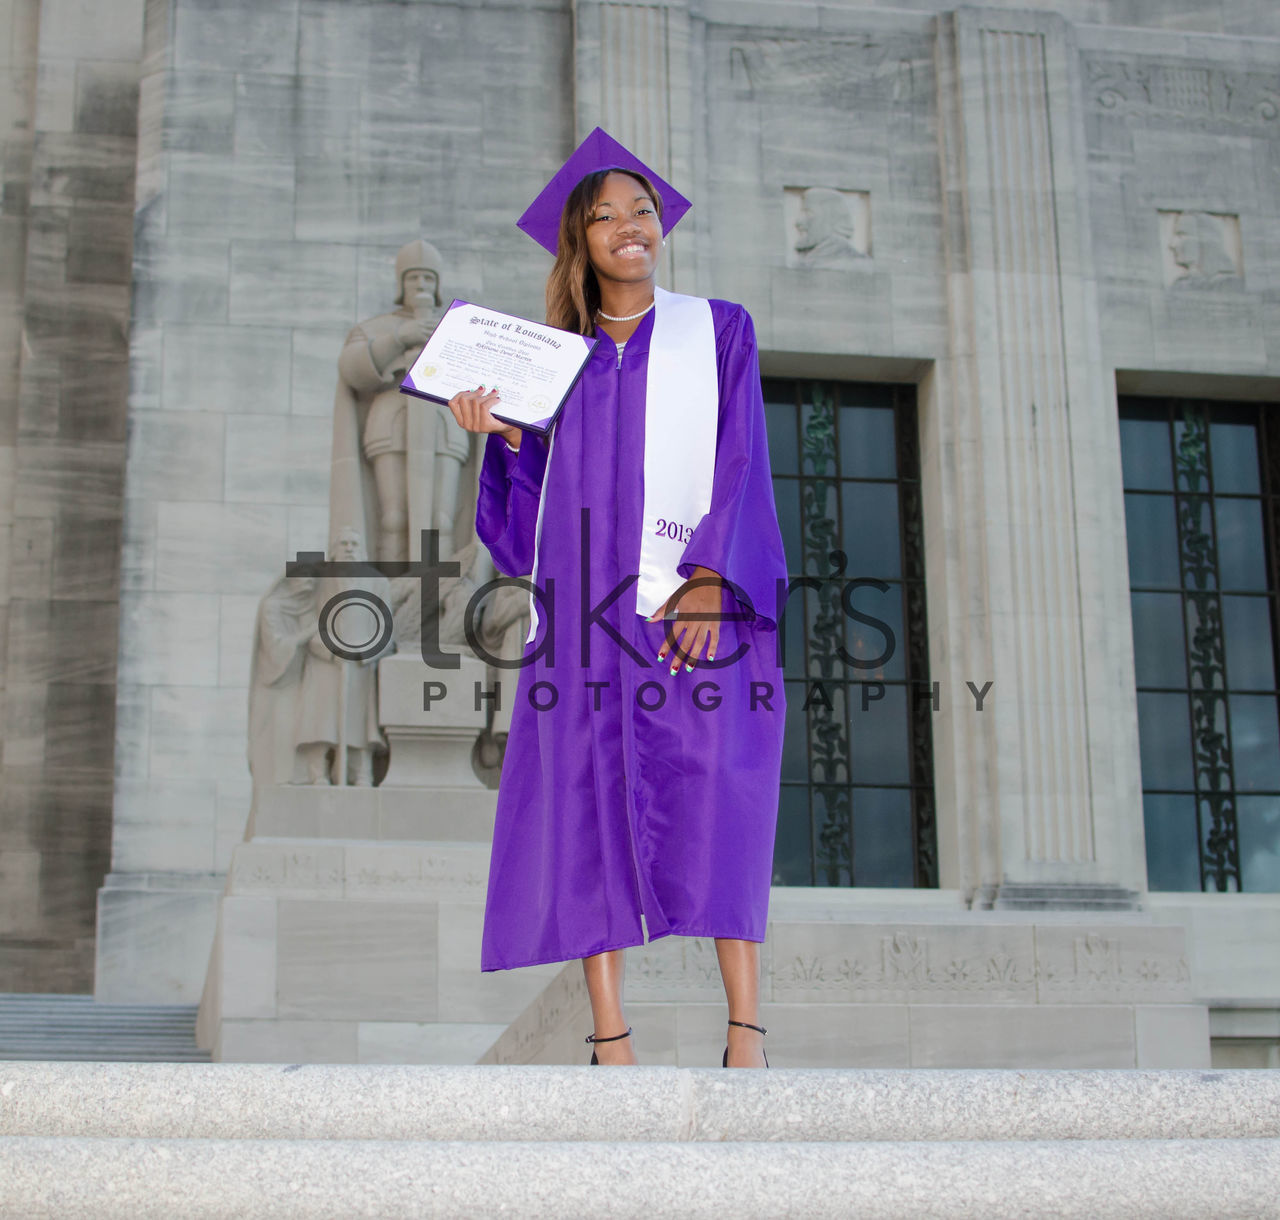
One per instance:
(1201, 249)
(826, 227)
(420, 282)
(348, 547)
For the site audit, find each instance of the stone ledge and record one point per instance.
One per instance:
(419, 1102)
(1070, 1180)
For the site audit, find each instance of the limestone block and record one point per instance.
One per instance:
(163, 825)
(1021, 1036)
(1171, 1035)
(314, 365)
(198, 732)
(409, 1042)
(308, 528)
(236, 615)
(1223, 935)
(467, 994)
(83, 29)
(192, 110)
(278, 460)
(20, 894)
(61, 641)
(56, 94)
(181, 280)
(246, 960)
(679, 968)
(175, 456)
(235, 796)
(278, 1041)
(464, 814)
(219, 548)
(30, 570)
(224, 196)
(138, 546)
(302, 811)
(1208, 331)
(239, 370)
(51, 475)
(349, 198)
(152, 940)
(310, 284)
(356, 961)
(146, 348)
(241, 36)
(306, 116)
(286, 869)
(166, 636)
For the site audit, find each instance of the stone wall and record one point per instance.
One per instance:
(254, 192)
(69, 124)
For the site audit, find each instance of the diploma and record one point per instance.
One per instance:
(532, 365)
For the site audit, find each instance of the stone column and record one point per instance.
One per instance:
(631, 77)
(1039, 793)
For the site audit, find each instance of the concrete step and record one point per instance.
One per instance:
(320, 1140)
(76, 1027)
(421, 1102)
(879, 1180)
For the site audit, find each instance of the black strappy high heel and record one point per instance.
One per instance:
(616, 1037)
(724, 1063)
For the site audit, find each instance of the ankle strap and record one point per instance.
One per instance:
(615, 1038)
(747, 1025)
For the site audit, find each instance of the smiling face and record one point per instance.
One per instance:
(624, 234)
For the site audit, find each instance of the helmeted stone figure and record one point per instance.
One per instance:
(369, 482)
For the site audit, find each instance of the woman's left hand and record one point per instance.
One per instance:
(701, 600)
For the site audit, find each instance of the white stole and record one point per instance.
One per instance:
(681, 418)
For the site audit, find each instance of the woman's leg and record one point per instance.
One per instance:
(740, 970)
(604, 986)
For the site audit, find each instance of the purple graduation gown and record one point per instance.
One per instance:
(626, 796)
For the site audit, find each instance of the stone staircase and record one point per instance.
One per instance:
(61, 1027)
(327, 1140)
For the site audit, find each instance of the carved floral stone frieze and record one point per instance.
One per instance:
(1196, 95)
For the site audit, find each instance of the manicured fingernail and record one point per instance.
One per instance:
(711, 656)
(689, 665)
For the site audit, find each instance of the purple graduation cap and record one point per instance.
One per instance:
(598, 151)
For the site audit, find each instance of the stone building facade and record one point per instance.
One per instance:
(1037, 222)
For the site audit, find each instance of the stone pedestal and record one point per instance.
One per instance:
(432, 718)
(355, 943)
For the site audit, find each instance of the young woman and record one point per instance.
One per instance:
(639, 791)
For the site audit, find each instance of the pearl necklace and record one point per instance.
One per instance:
(608, 317)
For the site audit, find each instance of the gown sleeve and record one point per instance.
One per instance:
(739, 536)
(507, 504)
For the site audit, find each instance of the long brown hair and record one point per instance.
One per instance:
(573, 292)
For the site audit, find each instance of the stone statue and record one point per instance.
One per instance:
(285, 622)
(371, 475)
(337, 705)
(825, 227)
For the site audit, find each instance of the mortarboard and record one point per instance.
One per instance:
(599, 150)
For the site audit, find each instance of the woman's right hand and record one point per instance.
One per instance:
(471, 409)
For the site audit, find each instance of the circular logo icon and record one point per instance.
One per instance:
(355, 625)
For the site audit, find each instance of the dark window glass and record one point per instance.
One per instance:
(1203, 578)
(857, 804)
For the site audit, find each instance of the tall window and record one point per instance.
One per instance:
(857, 803)
(1202, 512)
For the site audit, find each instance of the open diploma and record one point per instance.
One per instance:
(533, 366)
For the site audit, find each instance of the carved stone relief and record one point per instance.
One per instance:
(1201, 250)
(1196, 96)
(826, 227)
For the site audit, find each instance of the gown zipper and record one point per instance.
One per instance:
(626, 781)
